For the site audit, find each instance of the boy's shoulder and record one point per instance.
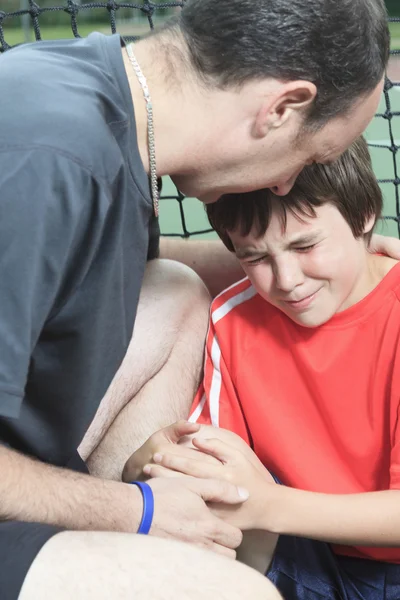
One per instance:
(392, 269)
(240, 301)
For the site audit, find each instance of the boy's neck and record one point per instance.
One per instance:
(377, 267)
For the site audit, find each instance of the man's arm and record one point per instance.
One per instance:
(36, 492)
(216, 266)
(219, 268)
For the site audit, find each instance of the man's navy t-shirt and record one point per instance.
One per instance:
(76, 229)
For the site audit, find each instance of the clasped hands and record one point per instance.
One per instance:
(205, 452)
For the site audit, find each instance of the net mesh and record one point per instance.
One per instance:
(25, 20)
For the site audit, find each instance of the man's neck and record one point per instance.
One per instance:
(174, 105)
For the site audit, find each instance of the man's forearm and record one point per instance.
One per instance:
(216, 266)
(370, 519)
(36, 492)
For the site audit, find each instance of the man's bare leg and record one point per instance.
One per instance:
(160, 374)
(86, 566)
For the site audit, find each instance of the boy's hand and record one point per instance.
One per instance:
(233, 466)
(164, 440)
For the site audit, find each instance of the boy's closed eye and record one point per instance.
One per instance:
(305, 248)
(265, 257)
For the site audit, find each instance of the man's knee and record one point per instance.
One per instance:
(175, 286)
(170, 329)
(90, 565)
(172, 315)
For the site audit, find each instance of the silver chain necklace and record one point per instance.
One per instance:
(150, 127)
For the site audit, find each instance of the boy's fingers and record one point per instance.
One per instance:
(173, 433)
(215, 490)
(160, 471)
(187, 466)
(185, 452)
(215, 447)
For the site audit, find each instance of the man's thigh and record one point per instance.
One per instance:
(19, 545)
(21, 542)
(101, 565)
(161, 371)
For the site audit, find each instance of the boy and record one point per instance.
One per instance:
(302, 361)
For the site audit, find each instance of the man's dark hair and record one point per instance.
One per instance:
(349, 184)
(342, 46)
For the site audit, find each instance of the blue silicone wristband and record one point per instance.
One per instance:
(148, 506)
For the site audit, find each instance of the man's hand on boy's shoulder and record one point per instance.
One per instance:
(381, 244)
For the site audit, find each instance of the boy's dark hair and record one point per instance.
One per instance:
(349, 184)
(342, 46)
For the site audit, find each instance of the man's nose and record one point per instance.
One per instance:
(281, 189)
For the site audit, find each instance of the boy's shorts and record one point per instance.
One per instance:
(304, 569)
(20, 543)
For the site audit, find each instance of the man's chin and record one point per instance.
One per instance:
(188, 189)
(209, 198)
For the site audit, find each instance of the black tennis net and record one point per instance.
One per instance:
(26, 20)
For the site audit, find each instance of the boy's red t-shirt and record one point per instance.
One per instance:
(320, 407)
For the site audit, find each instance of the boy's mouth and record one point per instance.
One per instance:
(303, 303)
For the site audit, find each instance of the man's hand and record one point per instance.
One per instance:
(233, 467)
(164, 440)
(385, 245)
(181, 512)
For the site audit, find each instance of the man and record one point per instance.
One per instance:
(239, 96)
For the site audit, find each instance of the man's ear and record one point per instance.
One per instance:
(291, 99)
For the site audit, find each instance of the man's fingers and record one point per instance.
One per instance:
(215, 490)
(226, 536)
(228, 552)
(173, 433)
(385, 245)
(227, 513)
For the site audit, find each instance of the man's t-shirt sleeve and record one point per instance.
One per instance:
(216, 402)
(41, 195)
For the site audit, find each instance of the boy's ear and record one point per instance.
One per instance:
(369, 224)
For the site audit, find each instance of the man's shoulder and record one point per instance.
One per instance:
(60, 95)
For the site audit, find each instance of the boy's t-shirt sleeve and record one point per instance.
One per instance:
(216, 402)
(395, 455)
(40, 198)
